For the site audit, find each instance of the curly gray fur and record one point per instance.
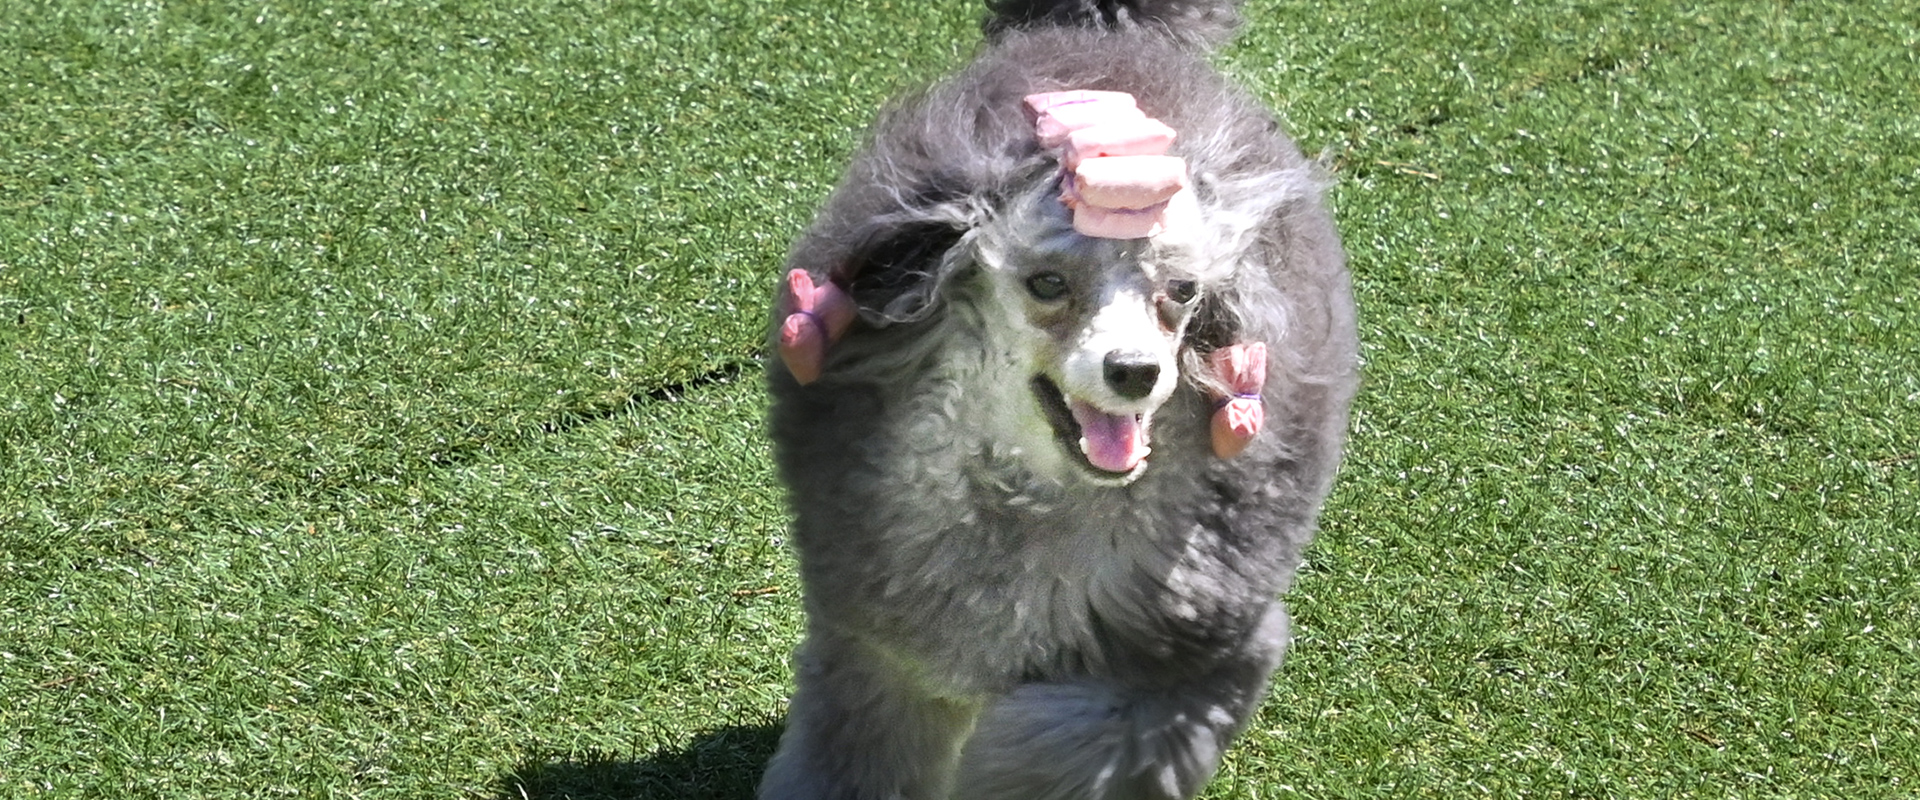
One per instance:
(978, 627)
(1190, 21)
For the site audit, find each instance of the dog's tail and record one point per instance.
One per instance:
(1206, 23)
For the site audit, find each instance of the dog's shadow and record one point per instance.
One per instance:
(721, 765)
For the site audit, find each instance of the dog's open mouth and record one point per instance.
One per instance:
(1111, 445)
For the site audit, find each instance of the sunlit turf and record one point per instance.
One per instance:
(379, 402)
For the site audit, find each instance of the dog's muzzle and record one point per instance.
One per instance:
(1110, 445)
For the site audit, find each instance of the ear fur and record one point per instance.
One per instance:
(1212, 326)
(895, 274)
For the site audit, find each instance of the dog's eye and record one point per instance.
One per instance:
(1182, 292)
(1047, 286)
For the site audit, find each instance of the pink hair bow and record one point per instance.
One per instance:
(1239, 416)
(1119, 179)
(820, 316)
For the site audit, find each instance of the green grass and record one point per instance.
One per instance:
(378, 415)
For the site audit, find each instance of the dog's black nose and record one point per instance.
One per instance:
(1131, 373)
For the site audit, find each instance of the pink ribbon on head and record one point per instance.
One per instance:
(820, 316)
(1119, 179)
(1239, 416)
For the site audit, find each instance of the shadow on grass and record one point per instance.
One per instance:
(720, 765)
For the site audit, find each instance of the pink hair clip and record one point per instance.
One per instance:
(820, 316)
(1126, 137)
(1239, 417)
(1057, 114)
(1119, 179)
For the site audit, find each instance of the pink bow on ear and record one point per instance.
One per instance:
(821, 315)
(1239, 417)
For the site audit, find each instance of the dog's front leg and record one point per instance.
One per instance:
(860, 728)
(1097, 740)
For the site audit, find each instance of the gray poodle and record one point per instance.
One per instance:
(1049, 478)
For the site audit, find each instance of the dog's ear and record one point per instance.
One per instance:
(895, 274)
(1213, 326)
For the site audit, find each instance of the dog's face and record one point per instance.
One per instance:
(1097, 326)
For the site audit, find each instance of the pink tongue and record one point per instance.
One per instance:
(1115, 442)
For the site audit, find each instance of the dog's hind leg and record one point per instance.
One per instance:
(858, 729)
(1091, 740)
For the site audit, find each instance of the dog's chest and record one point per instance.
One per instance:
(1003, 576)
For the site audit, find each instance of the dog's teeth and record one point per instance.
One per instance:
(1085, 449)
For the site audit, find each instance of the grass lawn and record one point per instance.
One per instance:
(379, 399)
